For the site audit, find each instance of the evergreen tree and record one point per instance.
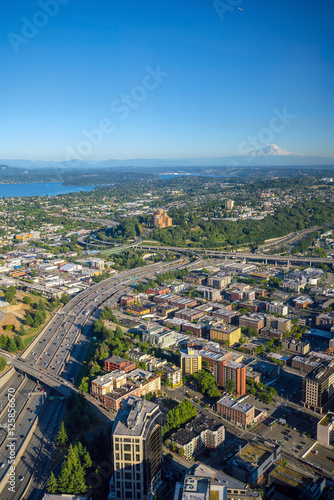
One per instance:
(52, 485)
(3, 341)
(29, 320)
(62, 437)
(64, 478)
(18, 342)
(11, 346)
(22, 331)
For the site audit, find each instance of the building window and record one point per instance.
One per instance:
(127, 447)
(127, 457)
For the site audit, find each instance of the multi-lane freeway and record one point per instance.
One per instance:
(53, 360)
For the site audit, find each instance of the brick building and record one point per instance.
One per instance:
(241, 414)
(117, 363)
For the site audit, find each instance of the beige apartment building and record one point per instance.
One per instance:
(191, 362)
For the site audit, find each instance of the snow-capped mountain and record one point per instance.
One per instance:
(272, 150)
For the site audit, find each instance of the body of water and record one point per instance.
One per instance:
(39, 189)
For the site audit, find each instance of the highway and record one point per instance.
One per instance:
(55, 361)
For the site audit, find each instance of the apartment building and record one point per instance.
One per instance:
(136, 445)
(147, 381)
(116, 363)
(117, 397)
(202, 432)
(219, 281)
(159, 337)
(231, 370)
(293, 345)
(173, 375)
(278, 323)
(277, 308)
(255, 320)
(225, 333)
(318, 388)
(191, 361)
(241, 414)
(106, 383)
(226, 315)
(271, 333)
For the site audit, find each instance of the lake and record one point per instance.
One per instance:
(39, 189)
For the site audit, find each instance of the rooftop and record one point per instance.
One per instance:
(227, 401)
(291, 477)
(327, 420)
(194, 428)
(253, 455)
(131, 418)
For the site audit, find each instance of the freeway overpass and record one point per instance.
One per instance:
(265, 259)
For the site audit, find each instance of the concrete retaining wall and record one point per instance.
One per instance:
(6, 375)
(3, 483)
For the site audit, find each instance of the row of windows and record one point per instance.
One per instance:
(126, 447)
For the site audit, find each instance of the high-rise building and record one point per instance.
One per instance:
(136, 444)
(226, 370)
(229, 204)
(318, 388)
(191, 361)
(161, 220)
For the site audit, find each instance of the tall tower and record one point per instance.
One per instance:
(137, 449)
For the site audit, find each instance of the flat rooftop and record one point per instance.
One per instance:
(227, 401)
(327, 420)
(291, 477)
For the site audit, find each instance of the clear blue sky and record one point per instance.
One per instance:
(225, 77)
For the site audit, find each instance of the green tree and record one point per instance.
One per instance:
(9, 297)
(11, 346)
(51, 485)
(230, 386)
(65, 298)
(84, 384)
(18, 342)
(62, 437)
(27, 299)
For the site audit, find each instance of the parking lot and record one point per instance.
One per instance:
(288, 387)
(322, 457)
(291, 440)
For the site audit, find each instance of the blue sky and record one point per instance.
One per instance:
(222, 76)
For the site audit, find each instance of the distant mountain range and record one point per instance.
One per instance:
(269, 155)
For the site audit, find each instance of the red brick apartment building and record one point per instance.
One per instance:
(241, 414)
(225, 370)
(117, 363)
